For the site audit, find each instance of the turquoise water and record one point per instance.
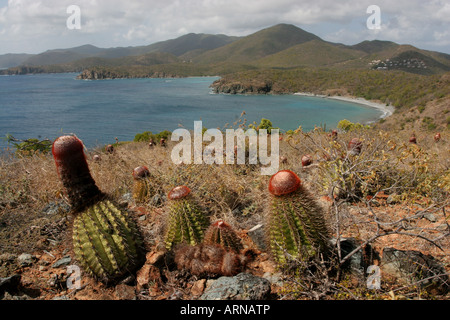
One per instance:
(48, 105)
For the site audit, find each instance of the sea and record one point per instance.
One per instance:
(45, 106)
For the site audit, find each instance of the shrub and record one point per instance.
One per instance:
(349, 126)
(30, 146)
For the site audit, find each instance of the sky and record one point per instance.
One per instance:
(33, 26)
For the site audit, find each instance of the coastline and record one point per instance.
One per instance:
(387, 110)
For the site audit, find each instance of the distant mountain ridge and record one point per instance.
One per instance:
(279, 46)
(178, 46)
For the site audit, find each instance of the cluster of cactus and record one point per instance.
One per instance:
(296, 223)
(106, 241)
(108, 244)
(201, 249)
(211, 260)
(186, 220)
(221, 253)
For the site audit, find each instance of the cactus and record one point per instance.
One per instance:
(74, 173)
(105, 239)
(186, 221)
(222, 234)
(296, 223)
(142, 188)
(211, 260)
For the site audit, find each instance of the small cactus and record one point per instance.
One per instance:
(355, 146)
(142, 188)
(106, 241)
(307, 160)
(221, 233)
(186, 221)
(296, 223)
(437, 137)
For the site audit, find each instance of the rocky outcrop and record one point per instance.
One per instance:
(413, 267)
(107, 74)
(242, 87)
(244, 286)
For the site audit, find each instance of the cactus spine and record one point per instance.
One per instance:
(222, 234)
(106, 241)
(296, 223)
(186, 221)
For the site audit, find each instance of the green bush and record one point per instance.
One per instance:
(148, 135)
(264, 124)
(348, 126)
(30, 146)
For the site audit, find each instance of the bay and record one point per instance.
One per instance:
(49, 105)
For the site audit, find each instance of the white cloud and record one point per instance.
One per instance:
(38, 25)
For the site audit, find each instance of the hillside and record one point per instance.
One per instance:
(314, 53)
(280, 46)
(177, 47)
(12, 60)
(257, 45)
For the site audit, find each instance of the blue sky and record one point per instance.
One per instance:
(33, 26)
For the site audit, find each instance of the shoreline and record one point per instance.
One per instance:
(387, 110)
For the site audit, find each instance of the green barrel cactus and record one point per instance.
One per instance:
(223, 234)
(296, 224)
(106, 241)
(186, 221)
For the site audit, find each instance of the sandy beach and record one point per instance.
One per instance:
(387, 110)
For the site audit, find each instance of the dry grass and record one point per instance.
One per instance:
(238, 193)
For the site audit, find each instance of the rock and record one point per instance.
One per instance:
(125, 292)
(258, 236)
(198, 287)
(243, 286)
(430, 217)
(10, 284)
(274, 278)
(147, 274)
(25, 259)
(62, 262)
(410, 267)
(56, 207)
(156, 258)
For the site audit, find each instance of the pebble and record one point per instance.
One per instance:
(25, 259)
(62, 262)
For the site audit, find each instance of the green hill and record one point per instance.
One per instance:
(314, 53)
(257, 45)
(281, 46)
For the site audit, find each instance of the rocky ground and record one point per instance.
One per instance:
(408, 240)
(44, 274)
